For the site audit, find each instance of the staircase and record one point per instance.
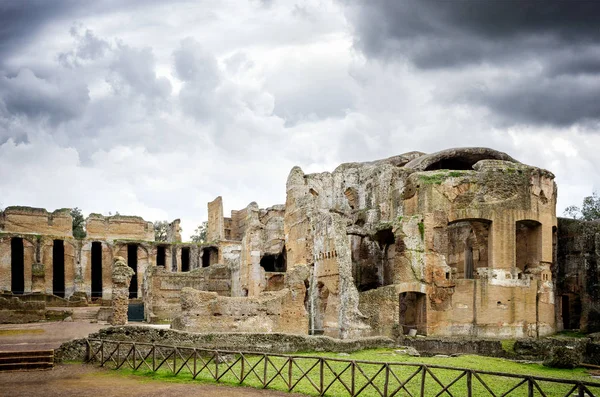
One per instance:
(85, 313)
(26, 360)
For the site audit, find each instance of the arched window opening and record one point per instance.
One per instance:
(185, 259)
(468, 247)
(210, 256)
(161, 256)
(96, 269)
(58, 268)
(528, 244)
(132, 262)
(17, 266)
(274, 262)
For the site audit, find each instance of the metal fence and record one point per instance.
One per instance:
(328, 376)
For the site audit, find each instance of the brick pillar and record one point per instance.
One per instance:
(121, 277)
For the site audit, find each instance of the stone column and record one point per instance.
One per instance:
(121, 277)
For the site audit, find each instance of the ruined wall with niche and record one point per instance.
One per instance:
(577, 275)
(433, 234)
(279, 311)
(263, 259)
(162, 289)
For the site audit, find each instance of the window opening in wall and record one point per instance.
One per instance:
(274, 262)
(413, 312)
(96, 269)
(17, 266)
(161, 256)
(528, 244)
(132, 262)
(210, 256)
(185, 259)
(58, 268)
(468, 246)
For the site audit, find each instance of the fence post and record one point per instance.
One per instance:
(174, 360)
(580, 391)
(290, 361)
(423, 374)
(242, 369)
(530, 387)
(387, 380)
(102, 353)
(153, 357)
(469, 383)
(265, 370)
(321, 384)
(133, 351)
(353, 371)
(88, 354)
(195, 359)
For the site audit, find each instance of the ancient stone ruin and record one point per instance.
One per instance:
(462, 242)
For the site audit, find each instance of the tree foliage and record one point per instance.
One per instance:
(589, 211)
(78, 223)
(199, 235)
(161, 230)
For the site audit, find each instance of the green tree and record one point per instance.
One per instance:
(199, 235)
(78, 223)
(589, 211)
(161, 230)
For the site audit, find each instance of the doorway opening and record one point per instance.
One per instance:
(210, 256)
(413, 312)
(185, 259)
(58, 268)
(17, 266)
(132, 261)
(96, 269)
(161, 256)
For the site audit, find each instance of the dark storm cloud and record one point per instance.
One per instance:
(20, 20)
(548, 50)
(55, 100)
(473, 29)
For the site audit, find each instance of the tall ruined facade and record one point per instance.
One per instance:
(462, 242)
(459, 242)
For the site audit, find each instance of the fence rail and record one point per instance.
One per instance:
(328, 376)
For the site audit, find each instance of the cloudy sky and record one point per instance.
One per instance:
(154, 108)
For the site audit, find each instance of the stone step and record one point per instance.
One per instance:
(25, 366)
(26, 360)
(27, 353)
(85, 313)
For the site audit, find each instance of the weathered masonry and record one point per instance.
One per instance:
(459, 242)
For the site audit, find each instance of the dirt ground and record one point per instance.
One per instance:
(48, 335)
(84, 380)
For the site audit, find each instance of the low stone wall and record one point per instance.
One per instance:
(540, 349)
(432, 346)
(15, 311)
(271, 343)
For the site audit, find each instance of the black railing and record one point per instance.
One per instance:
(328, 376)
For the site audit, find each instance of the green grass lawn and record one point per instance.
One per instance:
(335, 371)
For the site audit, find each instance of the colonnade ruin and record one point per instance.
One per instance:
(462, 242)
